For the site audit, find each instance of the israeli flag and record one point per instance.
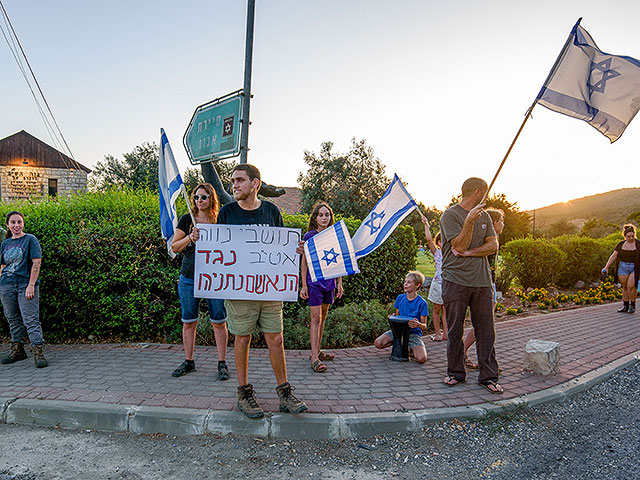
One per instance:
(599, 88)
(170, 186)
(330, 253)
(391, 209)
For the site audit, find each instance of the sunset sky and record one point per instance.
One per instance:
(438, 89)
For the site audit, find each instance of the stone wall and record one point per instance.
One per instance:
(28, 182)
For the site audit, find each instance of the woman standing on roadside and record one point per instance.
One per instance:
(321, 294)
(20, 258)
(626, 256)
(206, 207)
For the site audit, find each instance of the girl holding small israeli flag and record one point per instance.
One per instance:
(321, 294)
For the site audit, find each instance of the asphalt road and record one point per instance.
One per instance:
(595, 435)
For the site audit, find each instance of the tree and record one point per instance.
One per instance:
(598, 228)
(139, 169)
(561, 227)
(352, 183)
(516, 223)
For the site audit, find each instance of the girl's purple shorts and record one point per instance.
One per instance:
(317, 297)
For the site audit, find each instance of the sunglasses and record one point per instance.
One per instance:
(200, 197)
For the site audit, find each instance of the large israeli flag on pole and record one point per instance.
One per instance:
(330, 253)
(599, 88)
(391, 209)
(170, 186)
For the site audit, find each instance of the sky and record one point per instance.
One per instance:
(437, 89)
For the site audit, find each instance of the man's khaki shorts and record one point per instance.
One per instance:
(245, 317)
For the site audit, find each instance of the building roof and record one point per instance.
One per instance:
(23, 147)
(290, 202)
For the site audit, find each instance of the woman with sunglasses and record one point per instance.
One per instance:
(205, 210)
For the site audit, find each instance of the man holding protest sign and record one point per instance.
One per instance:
(246, 316)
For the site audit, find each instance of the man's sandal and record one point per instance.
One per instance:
(493, 387)
(319, 367)
(326, 357)
(452, 381)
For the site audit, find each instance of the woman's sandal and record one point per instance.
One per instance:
(319, 367)
(326, 357)
(469, 364)
(452, 381)
(492, 386)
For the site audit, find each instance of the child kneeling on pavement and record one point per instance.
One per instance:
(410, 304)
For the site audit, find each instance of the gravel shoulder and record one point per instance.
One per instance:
(593, 435)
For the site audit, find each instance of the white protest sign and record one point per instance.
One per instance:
(247, 262)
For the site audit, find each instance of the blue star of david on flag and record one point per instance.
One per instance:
(391, 209)
(593, 86)
(330, 257)
(607, 73)
(371, 223)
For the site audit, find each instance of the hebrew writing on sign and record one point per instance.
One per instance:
(247, 262)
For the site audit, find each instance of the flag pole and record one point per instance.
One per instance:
(528, 114)
(186, 199)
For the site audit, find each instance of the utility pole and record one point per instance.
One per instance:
(248, 58)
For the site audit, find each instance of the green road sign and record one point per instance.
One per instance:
(214, 130)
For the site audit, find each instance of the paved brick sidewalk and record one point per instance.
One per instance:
(358, 380)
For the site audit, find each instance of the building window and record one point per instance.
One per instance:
(53, 187)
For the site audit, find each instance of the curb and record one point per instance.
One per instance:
(318, 426)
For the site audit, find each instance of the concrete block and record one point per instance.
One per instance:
(542, 357)
(305, 426)
(236, 423)
(170, 421)
(368, 424)
(549, 395)
(94, 416)
(448, 413)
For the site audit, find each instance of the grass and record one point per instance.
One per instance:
(425, 264)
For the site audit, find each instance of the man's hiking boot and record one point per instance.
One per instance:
(185, 367)
(38, 356)
(16, 353)
(288, 401)
(632, 309)
(625, 307)
(223, 371)
(247, 402)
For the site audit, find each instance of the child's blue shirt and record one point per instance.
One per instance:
(416, 308)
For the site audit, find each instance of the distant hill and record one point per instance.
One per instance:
(612, 206)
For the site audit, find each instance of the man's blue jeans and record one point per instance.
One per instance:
(23, 315)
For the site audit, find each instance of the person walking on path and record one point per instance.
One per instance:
(321, 294)
(626, 256)
(435, 289)
(20, 259)
(245, 316)
(468, 238)
(205, 206)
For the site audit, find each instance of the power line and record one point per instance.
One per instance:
(14, 50)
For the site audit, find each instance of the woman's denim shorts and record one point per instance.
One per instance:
(189, 304)
(625, 268)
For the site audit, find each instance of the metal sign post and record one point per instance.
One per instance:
(248, 58)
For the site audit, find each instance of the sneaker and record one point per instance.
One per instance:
(632, 309)
(223, 371)
(288, 401)
(38, 356)
(16, 354)
(185, 367)
(624, 309)
(247, 402)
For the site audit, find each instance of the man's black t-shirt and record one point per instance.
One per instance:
(266, 215)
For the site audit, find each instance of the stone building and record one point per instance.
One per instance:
(29, 168)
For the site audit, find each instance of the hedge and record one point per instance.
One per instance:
(562, 261)
(106, 271)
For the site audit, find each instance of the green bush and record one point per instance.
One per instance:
(105, 270)
(536, 261)
(585, 257)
